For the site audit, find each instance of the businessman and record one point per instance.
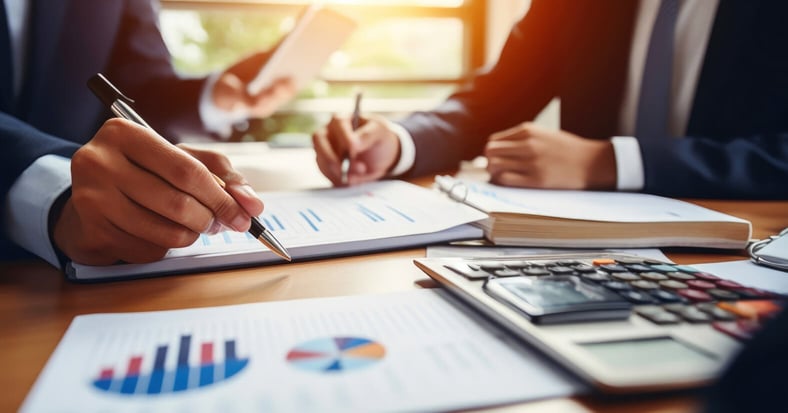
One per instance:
(128, 194)
(685, 98)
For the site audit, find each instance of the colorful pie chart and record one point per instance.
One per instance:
(336, 354)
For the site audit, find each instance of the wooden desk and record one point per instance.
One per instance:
(37, 304)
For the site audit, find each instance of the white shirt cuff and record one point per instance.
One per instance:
(629, 163)
(29, 201)
(214, 119)
(407, 149)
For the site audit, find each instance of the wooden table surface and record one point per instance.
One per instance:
(37, 304)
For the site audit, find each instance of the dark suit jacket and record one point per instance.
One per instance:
(578, 50)
(70, 40)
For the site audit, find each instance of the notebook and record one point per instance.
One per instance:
(592, 219)
(303, 52)
(317, 223)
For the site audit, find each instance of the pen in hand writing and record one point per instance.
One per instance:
(354, 123)
(120, 105)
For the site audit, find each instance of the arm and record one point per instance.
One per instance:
(741, 167)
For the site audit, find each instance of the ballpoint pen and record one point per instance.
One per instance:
(120, 105)
(354, 123)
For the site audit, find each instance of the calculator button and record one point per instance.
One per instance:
(535, 272)
(603, 261)
(629, 261)
(718, 313)
(617, 285)
(751, 309)
(686, 268)
(638, 297)
(638, 268)
(624, 276)
(469, 272)
(596, 276)
(663, 268)
(584, 268)
(740, 329)
(700, 284)
(674, 308)
(645, 285)
(653, 276)
(723, 295)
(560, 270)
(694, 295)
(751, 293)
(613, 268)
(567, 263)
(653, 262)
(506, 272)
(680, 276)
(706, 276)
(673, 285)
(667, 296)
(731, 285)
(660, 317)
(492, 266)
(694, 315)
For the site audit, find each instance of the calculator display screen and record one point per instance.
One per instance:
(644, 353)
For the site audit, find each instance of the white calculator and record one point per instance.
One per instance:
(622, 323)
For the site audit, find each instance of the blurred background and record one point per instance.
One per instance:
(406, 55)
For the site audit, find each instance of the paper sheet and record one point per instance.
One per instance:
(438, 251)
(747, 273)
(411, 351)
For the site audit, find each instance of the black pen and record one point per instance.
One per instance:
(120, 105)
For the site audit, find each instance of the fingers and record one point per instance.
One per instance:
(331, 143)
(235, 184)
(183, 172)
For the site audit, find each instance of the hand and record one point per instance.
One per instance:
(134, 196)
(229, 93)
(531, 156)
(373, 149)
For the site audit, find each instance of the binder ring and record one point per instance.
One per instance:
(758, 245)
(454, 192)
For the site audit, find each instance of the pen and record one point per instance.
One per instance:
(120, 105)
(354, 123)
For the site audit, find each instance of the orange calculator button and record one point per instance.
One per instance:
(604, 261)
(753, 309)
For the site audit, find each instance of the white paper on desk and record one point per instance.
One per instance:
(747, 273)
(467, 251)
(418, 352)
(321, 223)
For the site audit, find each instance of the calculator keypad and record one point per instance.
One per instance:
(662, 293)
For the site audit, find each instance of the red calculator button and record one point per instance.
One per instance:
(700, 284)
(706, 276)
(728, 284)
(694, 295)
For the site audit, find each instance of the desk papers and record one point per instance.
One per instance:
(318, 223)
(410, 351)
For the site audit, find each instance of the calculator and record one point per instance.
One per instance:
(622, 323)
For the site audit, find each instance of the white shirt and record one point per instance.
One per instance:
(38, 187)
(693, 28)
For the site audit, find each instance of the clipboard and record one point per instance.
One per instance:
(318, 33)
(771, 252)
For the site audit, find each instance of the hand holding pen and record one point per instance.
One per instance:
(134, 196)
(356, 149)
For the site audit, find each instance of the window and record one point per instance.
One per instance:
(405, 55)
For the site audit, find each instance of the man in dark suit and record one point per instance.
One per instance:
(134, 195)
(676, 97)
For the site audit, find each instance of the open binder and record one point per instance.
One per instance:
(594, 219)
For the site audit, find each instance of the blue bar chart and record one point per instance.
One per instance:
(184, 376)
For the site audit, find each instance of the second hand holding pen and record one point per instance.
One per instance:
(120, 106)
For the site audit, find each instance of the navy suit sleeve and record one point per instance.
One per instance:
(740, 167)
(141, 66)
(516, 89)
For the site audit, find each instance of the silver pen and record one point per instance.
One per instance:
(120, 105)
(354, 123)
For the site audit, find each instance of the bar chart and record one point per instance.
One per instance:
(182, 377)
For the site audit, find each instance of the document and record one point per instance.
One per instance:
(410, 351)
(303, 52)
(594, 219)
(750, 274)
(318, 223)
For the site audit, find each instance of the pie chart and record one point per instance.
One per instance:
(336, 354)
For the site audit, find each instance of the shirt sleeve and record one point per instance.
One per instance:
(214, 119)
(629, 164)
(407, 155)
(29, 201)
